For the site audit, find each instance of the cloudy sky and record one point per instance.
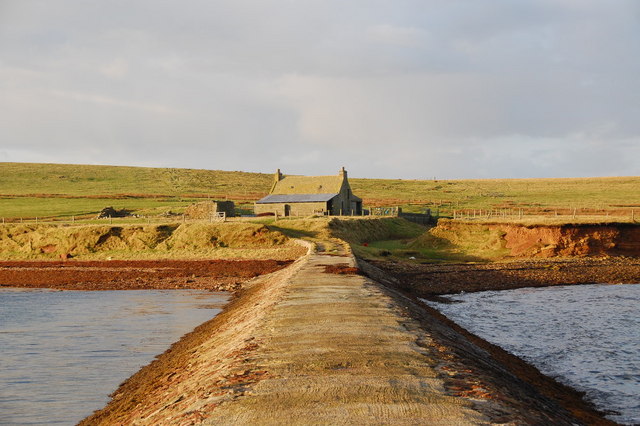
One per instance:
(386, 88)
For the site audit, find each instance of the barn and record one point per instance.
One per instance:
(309, 195)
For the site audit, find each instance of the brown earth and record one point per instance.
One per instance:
(134, 275)
(341, 268)
(426, 280)
(572, 240)
(545, 241)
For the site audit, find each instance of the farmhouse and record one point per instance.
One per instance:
(309, 195)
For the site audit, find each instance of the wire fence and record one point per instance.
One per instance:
(133, 219)
(574, 213)
(520, 214)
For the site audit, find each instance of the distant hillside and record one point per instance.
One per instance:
(82, 180)
(59, 190)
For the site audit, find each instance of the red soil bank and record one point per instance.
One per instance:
(135, 274)
(616, 239)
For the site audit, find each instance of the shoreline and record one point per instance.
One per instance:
(226, 339)
(218, 349)
(87, 275)
(497, 384)
(432, 280)
(429, 282)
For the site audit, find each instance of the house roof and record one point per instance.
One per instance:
(296, 198)
(305, 185)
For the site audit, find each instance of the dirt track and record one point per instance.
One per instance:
(134, 275)
(308, 345)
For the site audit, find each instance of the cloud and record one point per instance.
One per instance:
(116, 69)
(397, 36)
(112, 102)
(388, 89)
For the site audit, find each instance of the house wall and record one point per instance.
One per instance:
(344, 203)
(296, 209)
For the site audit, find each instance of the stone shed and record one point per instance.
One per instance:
(207, 209)
(309, 195)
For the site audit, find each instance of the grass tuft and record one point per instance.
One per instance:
(185, 241)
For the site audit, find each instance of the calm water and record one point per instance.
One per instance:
(63, 353)
(587, 336)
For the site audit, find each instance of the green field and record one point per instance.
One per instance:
(62, 191)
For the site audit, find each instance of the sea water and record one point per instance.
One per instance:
(63, 352)
(586, 336)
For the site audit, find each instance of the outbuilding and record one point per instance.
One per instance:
(310, 195)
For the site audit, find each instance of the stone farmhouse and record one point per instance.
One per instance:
(309, 195)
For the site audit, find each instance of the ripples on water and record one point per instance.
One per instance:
(63, 353)
(587, 336)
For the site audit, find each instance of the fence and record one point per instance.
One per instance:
(560, 214)
(134, 219)
(547, 213)
(420, 218)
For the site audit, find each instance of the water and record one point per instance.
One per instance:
(587, 336)
(63, 353)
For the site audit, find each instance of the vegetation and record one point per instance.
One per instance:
(63, 191)
(503, 194)
(368, 238)
(127, 182)
(182, 241)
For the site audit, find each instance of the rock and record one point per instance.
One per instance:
(108, 212)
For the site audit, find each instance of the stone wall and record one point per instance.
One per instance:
(205, 209)
(295, 209)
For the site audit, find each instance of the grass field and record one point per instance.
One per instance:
(61, 191)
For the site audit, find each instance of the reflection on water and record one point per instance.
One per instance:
(586, 336)
(63, 353)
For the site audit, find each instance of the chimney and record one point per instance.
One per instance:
(342, 173)
(278, 176)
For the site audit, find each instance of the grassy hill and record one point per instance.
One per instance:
(58, 190)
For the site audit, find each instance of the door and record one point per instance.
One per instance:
(287, 210)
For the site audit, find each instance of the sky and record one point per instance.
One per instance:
(411, 89)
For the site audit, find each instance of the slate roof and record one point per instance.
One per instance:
(304, 185)
(296, 198)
